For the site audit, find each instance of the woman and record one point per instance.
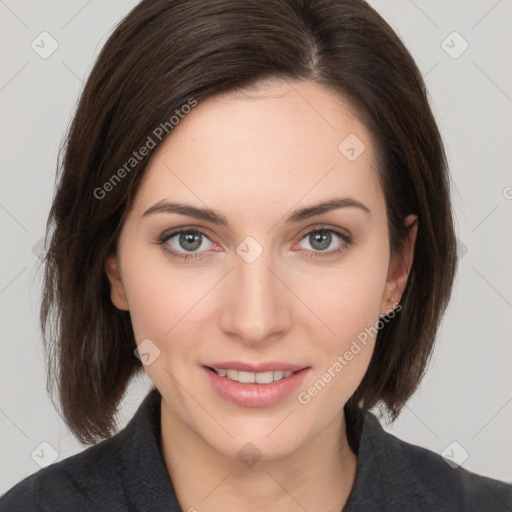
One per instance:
(253, 209)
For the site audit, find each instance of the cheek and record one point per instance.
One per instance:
(348, 302)
(348, 299)
(157, 310)
(156, 300)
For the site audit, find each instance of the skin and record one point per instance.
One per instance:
(256, 156)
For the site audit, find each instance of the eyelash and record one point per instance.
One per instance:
(162, 241)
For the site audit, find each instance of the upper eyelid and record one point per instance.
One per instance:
(185, 229)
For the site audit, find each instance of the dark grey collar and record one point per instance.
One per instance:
(393, 475)
(145, 476)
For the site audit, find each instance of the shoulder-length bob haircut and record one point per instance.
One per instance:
(167, 53)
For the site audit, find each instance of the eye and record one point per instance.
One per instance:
(189, 244)
(325, 241)
(185, 243)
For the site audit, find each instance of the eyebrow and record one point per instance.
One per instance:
(209, 215)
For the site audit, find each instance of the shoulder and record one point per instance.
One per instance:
(125, 472)
(79, 479)
(396, 475)
(436, 476)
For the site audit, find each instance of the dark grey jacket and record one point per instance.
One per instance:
(127, 473)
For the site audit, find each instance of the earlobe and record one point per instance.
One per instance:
(117, 292)
(399, 267)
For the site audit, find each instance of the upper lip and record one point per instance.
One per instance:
(258, 367)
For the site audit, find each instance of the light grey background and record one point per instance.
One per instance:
(466, 395)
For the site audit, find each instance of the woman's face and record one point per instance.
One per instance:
(258, 283)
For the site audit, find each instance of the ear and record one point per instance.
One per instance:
(117, 292)
(399, 267)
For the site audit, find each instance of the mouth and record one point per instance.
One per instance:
(254, 385)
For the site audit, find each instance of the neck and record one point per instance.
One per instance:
(318, 476)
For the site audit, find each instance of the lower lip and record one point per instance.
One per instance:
(255, 395)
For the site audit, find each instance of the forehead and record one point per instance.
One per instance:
(279, 143)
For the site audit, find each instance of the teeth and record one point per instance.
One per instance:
(232, 374)
(279, 375)
(251, 377)
(265, 377)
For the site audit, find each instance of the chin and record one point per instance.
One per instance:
(253, 446)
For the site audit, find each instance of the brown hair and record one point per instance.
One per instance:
(163, 54)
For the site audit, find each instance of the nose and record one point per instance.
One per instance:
(256, 306)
